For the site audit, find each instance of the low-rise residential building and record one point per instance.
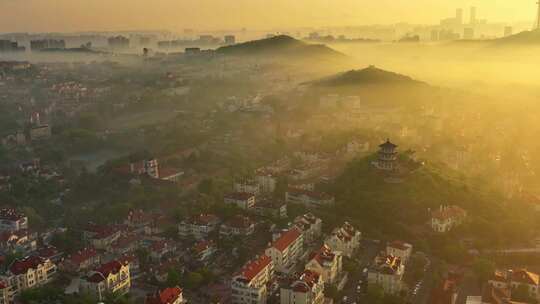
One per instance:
(170, 295)
(30, 272)
(327, 263)
(237, 226)
(12, 220)
(21, 241)
(266, 180)
(388, 273)
(83, 259)
(310, 225)
(399, 249)
(271, 208)
(101, 236)
(247, 185)
(113, 277)
(126, 244)
(345, 239)
(243, 200)
(308, 198)
(198, 226)
(286, 250)
(447, 217)
(307, 289)
(249, 285)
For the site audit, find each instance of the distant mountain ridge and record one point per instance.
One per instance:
(368, 76)
(279, 45)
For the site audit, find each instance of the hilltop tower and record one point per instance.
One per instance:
(387, 156)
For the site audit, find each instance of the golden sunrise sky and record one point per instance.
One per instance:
(87, 15)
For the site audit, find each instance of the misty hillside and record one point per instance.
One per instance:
(367, 76)
(280, 46)
(370, 201)
(522, 38)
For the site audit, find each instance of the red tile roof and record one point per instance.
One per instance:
(323, 255)
(105, 270)
(165, 296)
(240, 222)
(22, 266)
(448, 212)
(82, 256)
(253, 268)
(286, 239)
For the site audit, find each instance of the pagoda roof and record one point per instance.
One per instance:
(388, 144)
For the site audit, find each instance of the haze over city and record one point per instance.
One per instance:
(269, 152)
(93, 15)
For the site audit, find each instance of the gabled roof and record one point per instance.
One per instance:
(103, 272)
(82, 255)
(253, 268)
(165, 296)
(286, 239)
(323, 255)
(22, 266)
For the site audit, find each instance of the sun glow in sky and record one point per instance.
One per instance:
(86, 15)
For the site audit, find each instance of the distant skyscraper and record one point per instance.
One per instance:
(473, 15)
(459, 16)
(538, 17)
(468, 33)
(435, 35)
(508, 31)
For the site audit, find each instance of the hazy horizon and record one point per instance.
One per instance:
(101, 15)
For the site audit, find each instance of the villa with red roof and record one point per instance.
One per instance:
(249, 285)
(172, 295)
(327, 263)
(307, 289)
(237, 226)
(30, 272)
(101, 236)
(112, 277)
(446, 218)
(198, 226)
(83, 259)
(345, 239)
(286, 250)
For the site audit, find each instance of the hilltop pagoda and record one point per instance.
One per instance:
(387, 156)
